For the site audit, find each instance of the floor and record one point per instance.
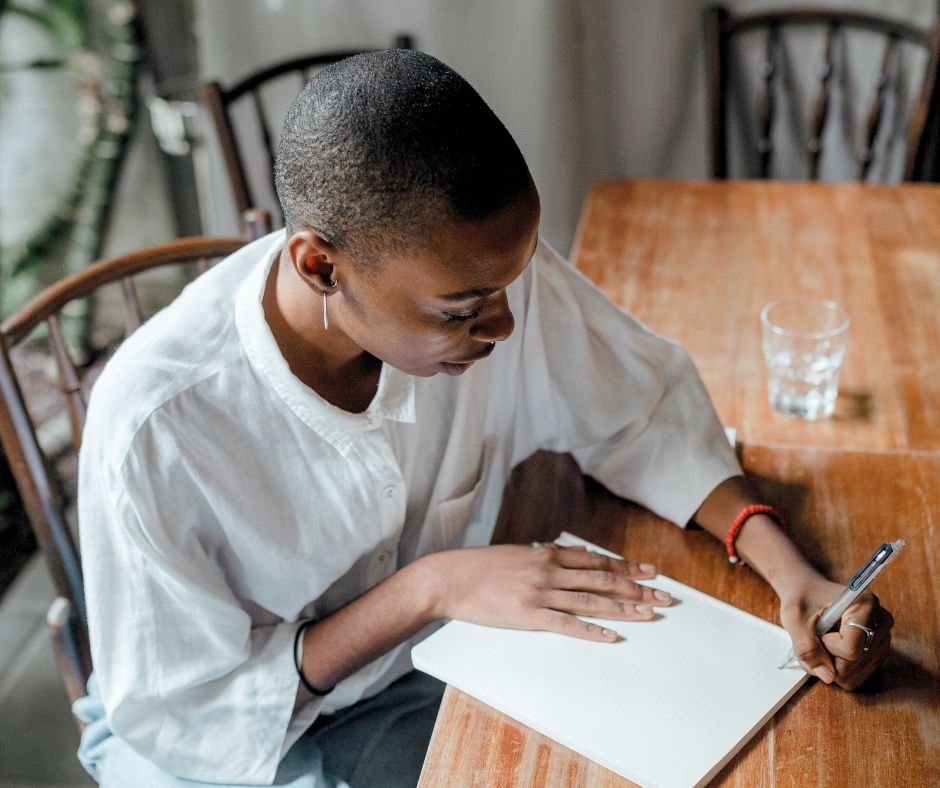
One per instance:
(38, 738)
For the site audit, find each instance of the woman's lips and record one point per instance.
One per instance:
(459, 367)
(485, 352)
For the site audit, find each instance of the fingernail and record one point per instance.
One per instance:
(825, 674)
(647, 568)
(644, 610)
(663, 596)
(610, 633)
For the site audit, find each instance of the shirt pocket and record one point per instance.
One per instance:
(455, 513)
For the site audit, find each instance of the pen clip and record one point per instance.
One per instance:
(872, 566)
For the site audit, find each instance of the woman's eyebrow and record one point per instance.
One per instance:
(463, 295)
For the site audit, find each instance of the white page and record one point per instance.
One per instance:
(666, 706)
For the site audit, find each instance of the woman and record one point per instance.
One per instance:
(292, 473)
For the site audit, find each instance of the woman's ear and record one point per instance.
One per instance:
(315, 260)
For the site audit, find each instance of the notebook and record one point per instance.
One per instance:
(667, 706)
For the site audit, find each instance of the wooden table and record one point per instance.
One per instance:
(697, 261)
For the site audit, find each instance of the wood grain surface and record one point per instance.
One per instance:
(885, 734)
(697, 261)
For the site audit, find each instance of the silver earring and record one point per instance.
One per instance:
(326, 320)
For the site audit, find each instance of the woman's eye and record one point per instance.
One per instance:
(463, 316)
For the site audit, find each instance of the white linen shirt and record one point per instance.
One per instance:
(221, 500)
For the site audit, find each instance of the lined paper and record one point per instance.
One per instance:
(667, 706)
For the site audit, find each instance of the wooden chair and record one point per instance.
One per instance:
(923, 126)
(220, 102)
(32, 469)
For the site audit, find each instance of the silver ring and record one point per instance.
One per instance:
(869, 634)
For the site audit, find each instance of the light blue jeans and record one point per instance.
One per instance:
(379, 742)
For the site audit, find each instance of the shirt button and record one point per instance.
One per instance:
(382, 557)
(371, 420)
(390, 492)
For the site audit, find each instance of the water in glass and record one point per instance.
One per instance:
(803, 387)
(804, 345)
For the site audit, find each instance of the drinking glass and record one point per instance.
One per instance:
(804, 344)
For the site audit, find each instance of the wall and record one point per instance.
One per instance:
(589, 88)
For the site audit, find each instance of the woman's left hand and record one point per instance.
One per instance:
(839, 656)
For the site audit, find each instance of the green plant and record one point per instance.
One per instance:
(106, 90)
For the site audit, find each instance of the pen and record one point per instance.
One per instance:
(863, 578)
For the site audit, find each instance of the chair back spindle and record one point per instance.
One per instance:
(876, 112)
(217, 101)
(69, 381)
(265, 135)
(256, 223)
(135, 315)
(821, 107)
(719, 58)
(768, 72)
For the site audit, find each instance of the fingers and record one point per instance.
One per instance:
(851, 675)
(615, 588)
(862, 642)
(853, 638)
(850, 655)
(579, 558)
(584, 603)
(567, 624)
(812, 655)
(543, 587)
(589, 584)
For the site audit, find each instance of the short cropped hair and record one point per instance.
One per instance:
(380, 148)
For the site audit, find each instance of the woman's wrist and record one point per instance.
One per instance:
(382, 618)
(760, 541)
(770, 552)
(429, 589)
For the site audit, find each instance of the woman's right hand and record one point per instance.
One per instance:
(544, 587)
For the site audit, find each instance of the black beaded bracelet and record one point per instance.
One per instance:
(300, 672)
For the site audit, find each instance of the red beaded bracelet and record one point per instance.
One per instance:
(739, 522)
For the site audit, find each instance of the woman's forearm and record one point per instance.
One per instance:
(368, 627)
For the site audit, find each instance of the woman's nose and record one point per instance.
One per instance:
(496, 323)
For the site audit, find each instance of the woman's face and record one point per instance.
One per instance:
(440, 310)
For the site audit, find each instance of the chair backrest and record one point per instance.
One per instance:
(32, 469)
(220, 102)
(722, 28)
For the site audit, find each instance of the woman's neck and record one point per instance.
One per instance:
(327, 361)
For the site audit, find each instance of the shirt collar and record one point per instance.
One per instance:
(394, 399)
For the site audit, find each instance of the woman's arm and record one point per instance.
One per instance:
(522, 587)
(803, 592)
(548, 587)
